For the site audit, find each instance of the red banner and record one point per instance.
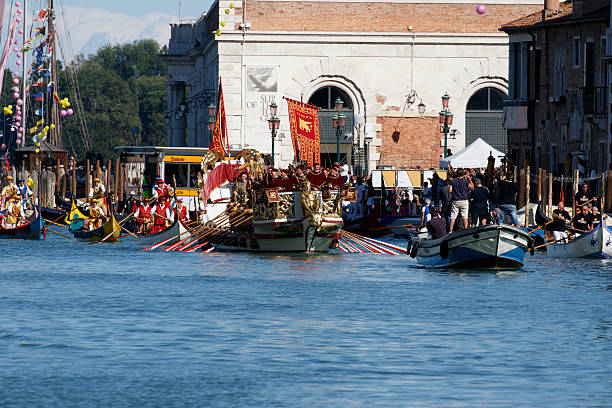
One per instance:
(220, 175)
(304, 124)
(219, 136)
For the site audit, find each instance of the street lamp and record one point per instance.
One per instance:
(446, 120)
(212, 110)
(339, 121)
(273, 124)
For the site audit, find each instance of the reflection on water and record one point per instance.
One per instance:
(241, 329)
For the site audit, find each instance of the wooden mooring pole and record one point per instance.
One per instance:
(575, 190)
(527, 191)
(550, 194)
(88, 179)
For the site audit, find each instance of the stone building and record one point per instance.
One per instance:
(557, 108)
(389, 61)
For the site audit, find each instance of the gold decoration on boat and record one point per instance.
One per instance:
(210, 159)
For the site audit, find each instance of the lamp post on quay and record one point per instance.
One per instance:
(446, 120)
(273, 124)
(339, 121)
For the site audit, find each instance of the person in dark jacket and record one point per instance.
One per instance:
(436, 226)
(479, 205)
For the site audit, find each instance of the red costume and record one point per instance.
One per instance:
(335, 181)
(160, 218)
(317, 179)
(280, 183)
(183, 213)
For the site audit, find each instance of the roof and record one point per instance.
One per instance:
(563, 13)
(44, 147)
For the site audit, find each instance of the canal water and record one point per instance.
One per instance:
(110, 325)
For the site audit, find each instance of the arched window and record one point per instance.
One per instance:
(484, 118)
(325, 99)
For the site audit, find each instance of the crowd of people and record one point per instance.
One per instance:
(587, 217)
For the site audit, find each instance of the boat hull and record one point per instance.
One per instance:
(497, 246)
(109, 232)
(295, 235)
(173, 234)
(33, 229)
(596, 243)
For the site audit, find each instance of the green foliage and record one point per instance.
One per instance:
(121, 86)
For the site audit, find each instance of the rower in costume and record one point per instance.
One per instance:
(161, 215)
(160, 189)
(97, 194)
(181, 210)
(334, 179)
(25, 192)
(10, 190)
(316, 177)
(96, 216)
(144, 217)
(15, 216)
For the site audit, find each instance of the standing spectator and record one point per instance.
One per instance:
(435, 187)
(507, 199)
(479, 203)
(460, 187)
(425, 212)
(446, 198)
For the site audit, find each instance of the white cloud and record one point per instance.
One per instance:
(91, 28)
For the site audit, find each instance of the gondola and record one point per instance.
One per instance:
(52, 214)
(109, 231)
(33, 229)
(171, 235)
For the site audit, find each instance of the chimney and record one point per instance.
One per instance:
(551, 5)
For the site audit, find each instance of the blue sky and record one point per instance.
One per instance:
(189, 8)
(91, 24)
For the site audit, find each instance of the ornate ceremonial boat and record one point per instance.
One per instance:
(596, 243)
(485, 246)
(33, 229)
(171, 235)
(296, 221)
(301, 221)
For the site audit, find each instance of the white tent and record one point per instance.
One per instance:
(473, 156)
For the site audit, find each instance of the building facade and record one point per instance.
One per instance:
(383, 59)
(557, 108)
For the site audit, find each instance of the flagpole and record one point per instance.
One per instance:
(24, 88)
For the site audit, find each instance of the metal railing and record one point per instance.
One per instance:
(594, 100)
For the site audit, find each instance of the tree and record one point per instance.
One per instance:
(110, 109)
(152, 103)
(139, 58)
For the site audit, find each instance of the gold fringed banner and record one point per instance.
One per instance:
(219, 136)
(304, 124)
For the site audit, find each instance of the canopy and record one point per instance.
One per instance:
(473, 156)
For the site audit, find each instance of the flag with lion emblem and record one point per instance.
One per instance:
(304, 124)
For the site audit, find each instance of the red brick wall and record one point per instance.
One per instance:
(381, 17)
(410, 142)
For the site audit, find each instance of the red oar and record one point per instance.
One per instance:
(154, 246)
(353, 246)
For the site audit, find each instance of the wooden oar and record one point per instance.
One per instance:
(532, 231)
(55, 232)
(55, 221)
(543, 245)
(129, 232)
(106, 237)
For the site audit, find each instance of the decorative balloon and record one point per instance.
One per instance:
(227, 11)
(480, 9)
(37, 151)
(63, 113)
(218, 32)
(18, 141)
(65, 103)
(232, 5)
(8, 110)
(222, 23)
(70, 111)
(3, 146)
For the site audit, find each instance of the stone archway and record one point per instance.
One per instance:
(324, 97)
(484, 118)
